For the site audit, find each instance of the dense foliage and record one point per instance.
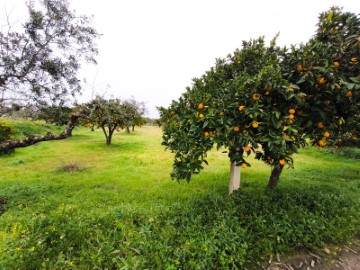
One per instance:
(269, 99)
(111, 114)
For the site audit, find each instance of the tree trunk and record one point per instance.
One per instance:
(127, 129)
(274, 177)
(71, 125)
(235, 175)
(133, 128)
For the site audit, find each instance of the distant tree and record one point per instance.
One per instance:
(105, 114)
(133, 113)
(39, 65)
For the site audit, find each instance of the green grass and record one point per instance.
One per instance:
(80, 204)
(23, 128)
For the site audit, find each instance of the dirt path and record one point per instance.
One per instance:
(345, 257)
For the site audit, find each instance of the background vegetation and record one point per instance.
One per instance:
(80, 204)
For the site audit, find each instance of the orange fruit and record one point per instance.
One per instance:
(206, 134)
(326, 134)
(256, 97)
(255, 125)
(320, 125)
(354, 59)
(241, 108)
(349, 94)
(201, 106)
(286, 137)
(172, 113)
(300, 68)
(322, 81)
(336, 64)
(236, 129)
(201, 115)
(291, 89)
(322, 143)
(238, 62)
(243, 165)
(282, 162)
(211, 133)
(221, 113)
(247, 148)
(291, 116)
(292, 111)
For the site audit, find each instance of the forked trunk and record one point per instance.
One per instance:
(235, 175)
(274, 177)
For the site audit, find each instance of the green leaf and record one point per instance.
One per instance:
(330, 16)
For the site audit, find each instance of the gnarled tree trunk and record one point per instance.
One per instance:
(9, 146)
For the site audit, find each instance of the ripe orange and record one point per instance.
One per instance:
(255, 125)
(322, 81)
(282, 162)
(336, 64)
(291, 116)
(201, 115)
(300, 68)
(243, 165)
(211, 133)
(349, 94)
(291, 111)
(236, 129)
(326, 134)
(247, 148)
(291, 89)
(221, 113)
(241, 108)
(354, 59)
(322, 143)
(206, 134)
(201, 106)
(256, 97)
(320, 125)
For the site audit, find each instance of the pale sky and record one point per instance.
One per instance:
(151, 50)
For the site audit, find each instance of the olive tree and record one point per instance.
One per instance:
(39, 63)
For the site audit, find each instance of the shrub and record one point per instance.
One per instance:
(6, 131)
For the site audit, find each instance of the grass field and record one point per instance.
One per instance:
(80, 204)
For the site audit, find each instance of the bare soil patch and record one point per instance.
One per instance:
(342, 257)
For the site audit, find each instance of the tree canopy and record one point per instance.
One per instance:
(39, 64)
(269, 99)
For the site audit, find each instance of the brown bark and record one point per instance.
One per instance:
(9, 146)
(274, 177)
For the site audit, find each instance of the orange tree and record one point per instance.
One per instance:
(268, 100)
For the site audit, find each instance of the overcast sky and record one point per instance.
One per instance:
(151, 50)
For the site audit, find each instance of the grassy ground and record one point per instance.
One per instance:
(79, 204)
